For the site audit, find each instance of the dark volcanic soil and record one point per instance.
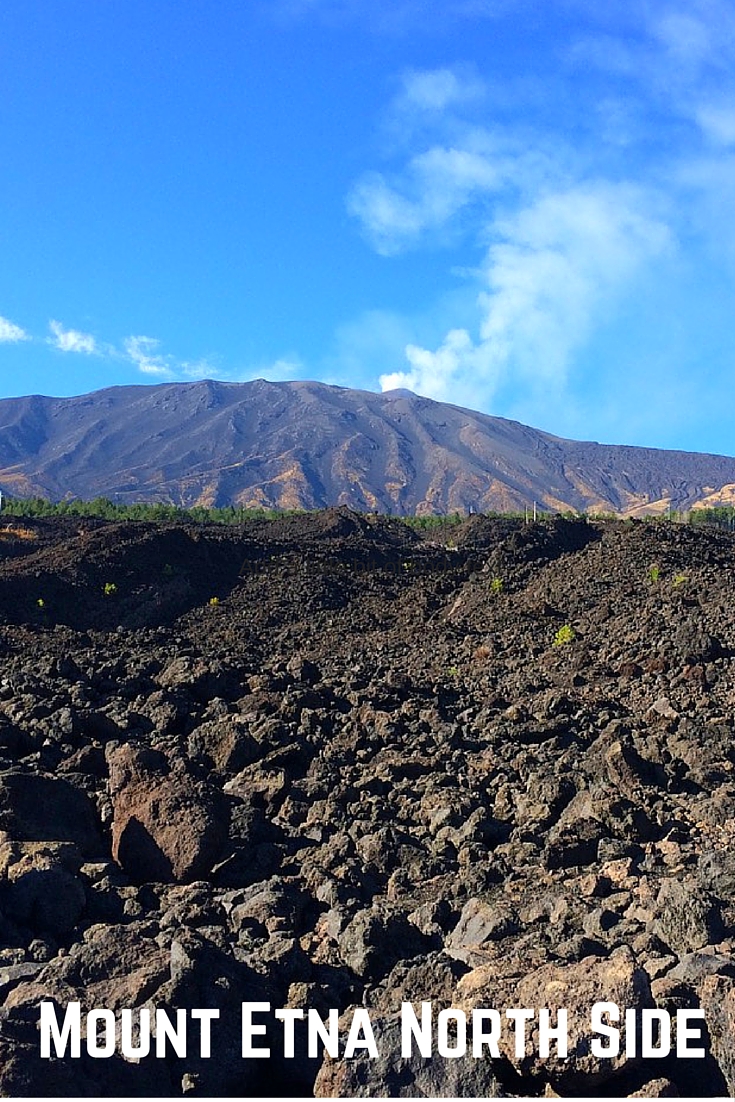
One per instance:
(325, 762)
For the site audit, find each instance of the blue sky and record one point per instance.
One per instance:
(520, 206)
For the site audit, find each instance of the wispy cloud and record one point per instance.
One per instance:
(436, 185)
(11, 333)
(717, 121)
(71, 340)
(680, 65)
(144, 353)
(436, 90)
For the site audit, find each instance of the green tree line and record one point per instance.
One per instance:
(722, 516)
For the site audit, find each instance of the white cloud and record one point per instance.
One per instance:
(436, 89)
(11, 333)
(553, 272)
(717, 120)
(388, 218)
(687, 40)
(71, 340)
(440, 182)
(435, 374)
(143, 352)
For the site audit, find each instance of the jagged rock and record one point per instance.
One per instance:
(695, 644)
(694, 967)
(717, 995)
(717, 872)
(687, 917)
(480, 923)
(39, 808)
(376, 938)
(575, 986)
(223, 744)
(656, 1088)
(112, 966)
(167, 826)
(200, 678)
(392, 1076)
(44, 892)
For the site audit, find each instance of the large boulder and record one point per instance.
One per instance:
(167, 826)
(575, 986)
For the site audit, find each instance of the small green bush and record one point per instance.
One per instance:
(564, 635)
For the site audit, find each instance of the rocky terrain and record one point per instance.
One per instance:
(327, 762)
(305, 445)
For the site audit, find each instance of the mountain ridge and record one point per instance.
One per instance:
(303, 444)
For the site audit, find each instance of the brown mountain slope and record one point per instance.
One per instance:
(308, 445)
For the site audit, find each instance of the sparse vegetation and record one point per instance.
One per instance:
(109, 589)
(427, 523)
(654, 574)
(564, 635)
(496, 585)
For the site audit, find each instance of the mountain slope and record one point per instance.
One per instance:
(308, 445)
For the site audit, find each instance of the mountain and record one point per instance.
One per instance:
(308, 445)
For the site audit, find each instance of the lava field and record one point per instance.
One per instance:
(329, 762)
